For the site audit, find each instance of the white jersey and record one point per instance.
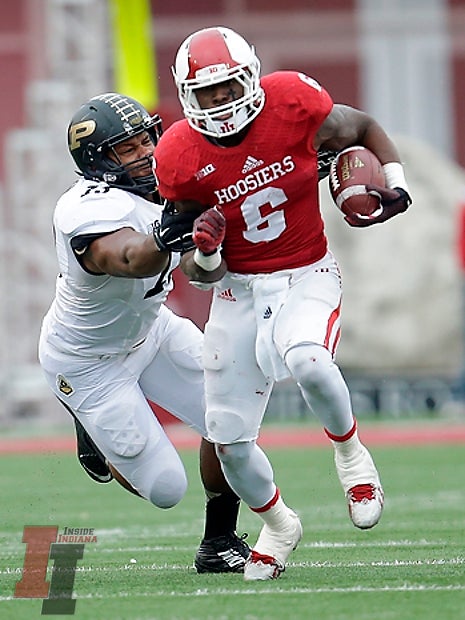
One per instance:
(95, 315)
(109, 346)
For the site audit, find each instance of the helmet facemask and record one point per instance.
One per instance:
(120, 175)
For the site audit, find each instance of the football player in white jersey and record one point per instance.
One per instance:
(108, 344)
(246, 159)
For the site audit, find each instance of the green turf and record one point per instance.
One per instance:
(410, 567)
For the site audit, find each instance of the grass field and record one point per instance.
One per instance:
(411, 566)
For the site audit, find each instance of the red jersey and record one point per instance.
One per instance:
(267, 186)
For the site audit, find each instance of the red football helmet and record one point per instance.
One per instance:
(211, 56)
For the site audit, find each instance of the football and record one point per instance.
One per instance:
(353, 169)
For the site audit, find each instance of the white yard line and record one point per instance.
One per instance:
(458, 561)
(214, 592)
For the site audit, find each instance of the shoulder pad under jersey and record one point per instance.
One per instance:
(93, 207)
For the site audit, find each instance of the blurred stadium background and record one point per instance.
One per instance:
(401, 60)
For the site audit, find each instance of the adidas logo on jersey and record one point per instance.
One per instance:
(268, 312)
(227, 295)
(251, 163)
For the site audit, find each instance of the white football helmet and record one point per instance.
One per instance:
(211, 56)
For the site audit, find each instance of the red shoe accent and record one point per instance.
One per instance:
(261, 557)
(256, 558)
(361, 492)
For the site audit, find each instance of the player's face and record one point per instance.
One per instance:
(219, 94)
(135, 154)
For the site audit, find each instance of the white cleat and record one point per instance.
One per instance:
(273, 547)
(362, 487)
(365, 503)
(260, 567)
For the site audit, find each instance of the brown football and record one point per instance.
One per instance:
(353, 169)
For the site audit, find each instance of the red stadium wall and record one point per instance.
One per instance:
(458, 72)
(13, 69)
(22, 56)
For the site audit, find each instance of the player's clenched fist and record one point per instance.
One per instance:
(392, 202)
(209, 230)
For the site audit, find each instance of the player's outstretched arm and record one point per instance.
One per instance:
(128, 253)
(198, 277)
(125, 253)
(206, 265)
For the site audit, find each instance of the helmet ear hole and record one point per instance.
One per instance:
(88, 154)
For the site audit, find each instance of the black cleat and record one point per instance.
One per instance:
(223, 554)
(90, 457)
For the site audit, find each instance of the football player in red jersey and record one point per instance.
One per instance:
(245, 158)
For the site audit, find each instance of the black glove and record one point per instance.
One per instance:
(324, 163)
(392, 201)
(174, 232)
